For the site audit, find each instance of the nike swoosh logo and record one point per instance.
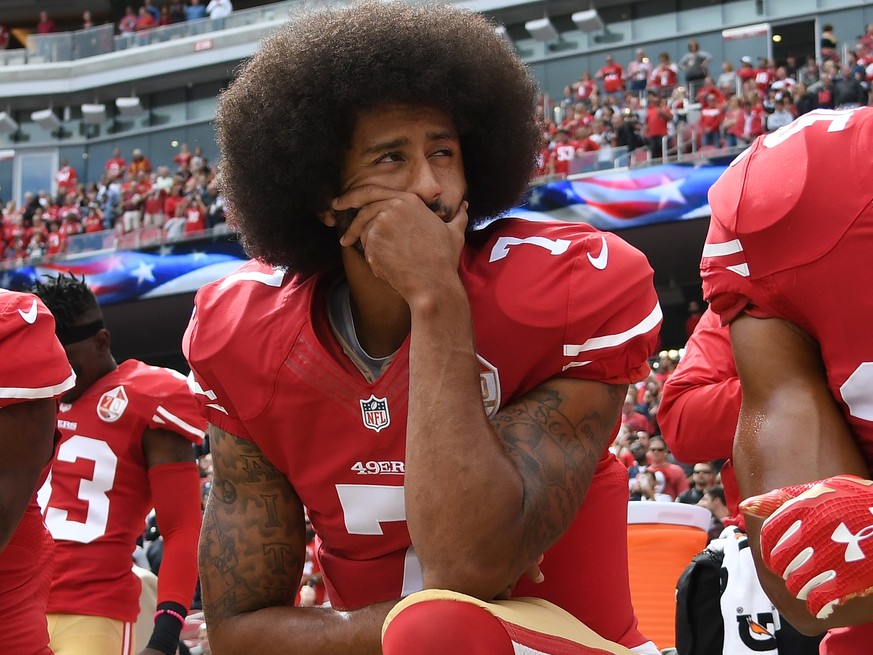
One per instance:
(30, 315)
(601, 260)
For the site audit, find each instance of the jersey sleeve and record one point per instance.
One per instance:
(572, 301)
(33, 364)
(228, 378)
(175, 408)
(614, 314)
(700, 402)
(769, 206)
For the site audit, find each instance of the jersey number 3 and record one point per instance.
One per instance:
(92, 492)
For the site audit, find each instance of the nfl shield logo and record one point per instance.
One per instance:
(112, 404)
(375, 413)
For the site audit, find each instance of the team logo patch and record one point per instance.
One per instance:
(375, 413)
(112, 404)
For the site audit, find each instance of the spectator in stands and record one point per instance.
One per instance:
(747, 69)
(585, 88)
(695, 65)
(611, 76)
(198, 161)
(823, 90)
(154, 11)
(664, 77)
(177, 12)
(713, 500)
(829, 43)
(658, 117)
(93, 220)
(803, 101)
(139, 163)
(732, 125)
(752, 120)
(195, 214)
(865, 41)
(848, 91)
(702, 478)
(45, 25)
(727, 80)
(780, 117)
(562, 153)
(195, 11)
(116, 165)
(708, 87)
(695, 313)
(66, 179)
(638, 72)
(127, 24)
(711, 119)
(87, 21)
(783, 84)
(649, 486)
(675, 480)
(144, 20)
(56, 242)
(153, 207)
(4, 37)
(627, 127)
(182, 159)
(219, 9)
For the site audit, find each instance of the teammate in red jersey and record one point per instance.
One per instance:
(33, 372)
(126, 446)
(779, 266)
(440, 400)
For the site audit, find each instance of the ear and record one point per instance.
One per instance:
(103, 341)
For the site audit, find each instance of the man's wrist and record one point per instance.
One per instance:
(169, 620)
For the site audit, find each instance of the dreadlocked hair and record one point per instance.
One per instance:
(68, 298)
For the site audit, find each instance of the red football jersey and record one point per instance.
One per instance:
(33, 365)
(700, 402)
(785, 242)
(97, 495)
(547, 299)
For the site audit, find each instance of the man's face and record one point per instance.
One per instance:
(658, 451)
(409, 149)
(702, 476)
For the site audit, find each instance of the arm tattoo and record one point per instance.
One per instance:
(555, 455)
(253, 538)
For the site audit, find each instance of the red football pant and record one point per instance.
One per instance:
(435, 622)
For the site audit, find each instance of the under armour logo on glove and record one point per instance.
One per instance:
(819, 537)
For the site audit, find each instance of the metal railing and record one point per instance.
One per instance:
(69, 46)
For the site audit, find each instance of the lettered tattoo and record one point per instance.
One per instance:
(252, 546)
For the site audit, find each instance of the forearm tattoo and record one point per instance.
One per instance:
(556, 456)
(253, 538)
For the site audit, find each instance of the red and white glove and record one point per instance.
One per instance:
(819, 537)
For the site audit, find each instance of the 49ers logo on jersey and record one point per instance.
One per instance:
(375, 413)
(112, 404)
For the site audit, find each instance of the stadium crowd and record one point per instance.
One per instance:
(688, 104)
(178, 198)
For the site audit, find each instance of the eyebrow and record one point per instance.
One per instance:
(444, 135)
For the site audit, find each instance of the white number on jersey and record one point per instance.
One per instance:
(365, 507)
(92, 492)
(501, 247)
(855, 392)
